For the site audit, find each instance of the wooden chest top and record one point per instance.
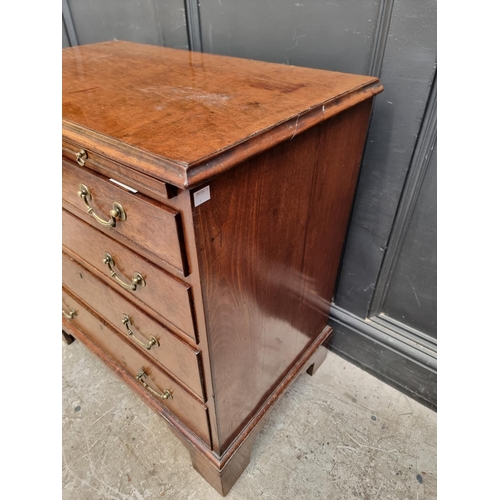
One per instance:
(183, 117)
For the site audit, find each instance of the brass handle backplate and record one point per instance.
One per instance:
(141, 375)
(137, 279)
(81, 156)
(117, 212)
(128, 323)
(69, 315)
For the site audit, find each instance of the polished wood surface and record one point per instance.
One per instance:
(145, 184)
(220, 472)
(182, 405)
(167, 298)
(238, 289)
(149, 225)
(177, 357)
(332, 194)
(165, 111)
(180, 429)
(267, 269)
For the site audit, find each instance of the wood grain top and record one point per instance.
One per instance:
(183, 116)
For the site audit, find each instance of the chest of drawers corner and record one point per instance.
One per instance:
(205, 206)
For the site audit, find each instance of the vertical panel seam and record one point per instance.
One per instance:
(381, 34)
(68, 22)
(418, 167)
(193, 25)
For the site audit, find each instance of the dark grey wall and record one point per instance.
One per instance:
(336, 35)
(385, 305)
(65, 39)
(156, 22)
(384, 311)
(410, 296)
(407, 74)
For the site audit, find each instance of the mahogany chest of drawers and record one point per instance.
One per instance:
(205, 207)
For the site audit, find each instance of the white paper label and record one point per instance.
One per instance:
(202, 196)
(128, 188)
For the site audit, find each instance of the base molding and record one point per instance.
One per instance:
(234, 461)
(221, 472)
(396, 363)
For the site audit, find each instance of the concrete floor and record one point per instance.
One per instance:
(341, 434)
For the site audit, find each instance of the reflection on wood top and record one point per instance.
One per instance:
(182, 116)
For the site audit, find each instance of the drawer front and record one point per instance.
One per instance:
(167, 296)
(148, 225)
(173, 354)
(192, 413)
(94, 161)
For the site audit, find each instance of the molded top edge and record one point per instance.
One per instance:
(183, 116)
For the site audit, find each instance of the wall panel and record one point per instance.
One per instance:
(408, 70)
(156, 22)
(411, 296)
(65, 39)
(336, 35)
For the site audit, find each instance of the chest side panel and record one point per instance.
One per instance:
(269, 242)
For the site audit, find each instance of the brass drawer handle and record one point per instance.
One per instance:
(137, 279)
(128, 323)
(117, 212)
(81, 156)
(69, 315)
(141, 375)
